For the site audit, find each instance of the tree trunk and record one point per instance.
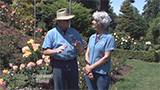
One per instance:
(104, 5)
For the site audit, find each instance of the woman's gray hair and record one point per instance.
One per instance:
(102, 17)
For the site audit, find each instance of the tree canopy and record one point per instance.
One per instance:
(151, 9)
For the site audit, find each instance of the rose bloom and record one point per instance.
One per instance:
(31, 29)
(30, 64)
(31, 21)
(10, 64)
(21, 66)
(148, 43)
(3, 84)
(31, 41)
(12, 19)
(15, 68)
(24, 49)
(1, 32)
(27, 54)
(35, 46)
(1, 80)
(6, 10)
(47, 64)
(47, 61)
(3, 6)
(46, 58)
(6, 72)
(39, 62)
(13, 12)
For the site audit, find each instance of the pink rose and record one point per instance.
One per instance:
(10, 64)
(39, 62)
(15, 68)
(3, 84)
(3, 6)
(30, 64)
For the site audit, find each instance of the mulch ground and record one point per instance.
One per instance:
(123, 72)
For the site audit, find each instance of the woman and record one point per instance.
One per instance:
(98, 54)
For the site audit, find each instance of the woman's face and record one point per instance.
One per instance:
(95, 23)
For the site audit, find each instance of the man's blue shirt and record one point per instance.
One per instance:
(56, 37)
(97, 51)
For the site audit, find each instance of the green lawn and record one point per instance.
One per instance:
(144, 76)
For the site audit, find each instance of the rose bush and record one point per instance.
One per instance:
(32, 64)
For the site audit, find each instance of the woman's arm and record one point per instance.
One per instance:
(87, 56)
(90, 74)
(102, 61)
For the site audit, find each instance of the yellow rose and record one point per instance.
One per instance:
(1, 80)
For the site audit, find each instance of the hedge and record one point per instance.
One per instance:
(151, 55)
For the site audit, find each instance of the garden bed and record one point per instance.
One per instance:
(47, 83)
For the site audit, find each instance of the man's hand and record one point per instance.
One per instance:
(78, 45)
(61, 48)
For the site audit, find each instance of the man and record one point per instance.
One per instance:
(62, 43)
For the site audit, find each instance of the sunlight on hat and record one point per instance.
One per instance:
(62, 14)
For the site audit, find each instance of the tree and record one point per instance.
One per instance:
(113, 16)
(101, 5)
(154, 31)
(141, 25)
(126, 19)
(130, 22)
(104, 5)
(91, 4)
(151, 9)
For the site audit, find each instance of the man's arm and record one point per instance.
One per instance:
(52, 52)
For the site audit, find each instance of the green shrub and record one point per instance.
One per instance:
(156, 47)
(81, 21)
(158, 55)
(150, 55)
(10, 42)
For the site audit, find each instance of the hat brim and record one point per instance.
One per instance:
(65, 17)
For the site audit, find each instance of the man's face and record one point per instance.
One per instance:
(63, 24)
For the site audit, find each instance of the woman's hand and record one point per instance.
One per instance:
(89, 72)
(88, 68)
(90, 76)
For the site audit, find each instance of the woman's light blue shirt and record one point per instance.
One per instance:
(56, 37)
(97, 51)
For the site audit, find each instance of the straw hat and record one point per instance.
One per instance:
(62, 14)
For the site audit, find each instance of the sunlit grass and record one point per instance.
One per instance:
(144, 76)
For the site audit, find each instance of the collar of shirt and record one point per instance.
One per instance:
(102, 36)
(61, 31)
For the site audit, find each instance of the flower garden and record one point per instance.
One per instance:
(22, 60)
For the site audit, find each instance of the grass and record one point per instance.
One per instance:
(144, 76)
